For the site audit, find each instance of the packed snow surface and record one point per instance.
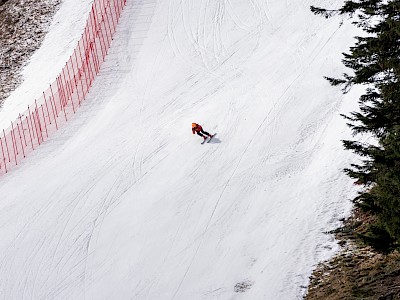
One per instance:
(125, 203)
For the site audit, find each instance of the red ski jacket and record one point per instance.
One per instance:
(197, 128)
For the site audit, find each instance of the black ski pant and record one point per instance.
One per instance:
(202, 132)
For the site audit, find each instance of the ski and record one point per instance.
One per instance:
(211, 137)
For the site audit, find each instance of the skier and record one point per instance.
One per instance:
(199, 130)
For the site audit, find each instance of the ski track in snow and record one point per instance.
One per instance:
(124, 203)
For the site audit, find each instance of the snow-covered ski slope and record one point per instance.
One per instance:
(125, 203)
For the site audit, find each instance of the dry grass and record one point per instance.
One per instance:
(357, 272)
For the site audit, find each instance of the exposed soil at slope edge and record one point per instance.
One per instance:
(358, 271)
(23, 26)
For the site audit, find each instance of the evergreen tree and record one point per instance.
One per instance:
(375, 62)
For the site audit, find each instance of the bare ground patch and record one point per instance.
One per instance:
(358, 271)
(23, 26)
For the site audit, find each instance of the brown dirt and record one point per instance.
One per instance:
(358, 271)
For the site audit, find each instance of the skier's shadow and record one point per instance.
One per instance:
(215, 140)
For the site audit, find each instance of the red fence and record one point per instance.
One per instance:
(64, 96)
